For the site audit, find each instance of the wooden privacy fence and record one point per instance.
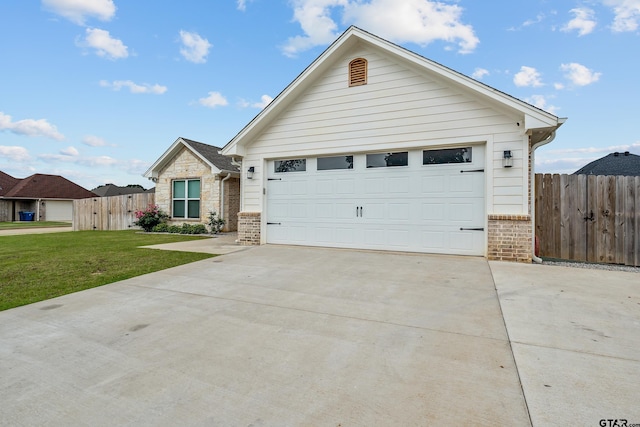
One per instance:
(589, 218)
(109, 213)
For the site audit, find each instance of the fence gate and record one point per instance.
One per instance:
(589, 218)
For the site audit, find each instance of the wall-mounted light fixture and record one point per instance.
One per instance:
(250, 172)
(507, 159)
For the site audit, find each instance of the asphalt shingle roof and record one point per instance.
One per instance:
(626, 164)
(41, 186)
(210, 153)
(7, 182)
(115, 190)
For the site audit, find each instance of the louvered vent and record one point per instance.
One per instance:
(358, 72)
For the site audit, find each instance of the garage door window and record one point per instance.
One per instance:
(384, 160)
(447, 155)
(336, 162)
(293, 165)
(186, 198)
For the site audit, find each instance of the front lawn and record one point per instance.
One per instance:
(37, 267)
(32, 224)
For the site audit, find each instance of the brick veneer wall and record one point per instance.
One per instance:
(510, 238)
(249, 228)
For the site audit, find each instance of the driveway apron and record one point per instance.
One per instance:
(272, 335)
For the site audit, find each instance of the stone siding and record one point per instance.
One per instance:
(249, 228)
(186, 165)
(509, 238)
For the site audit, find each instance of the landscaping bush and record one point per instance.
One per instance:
(180, 229)
(215, 222)
(150, 217)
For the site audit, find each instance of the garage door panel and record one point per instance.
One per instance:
(419, 208)
(432, 185)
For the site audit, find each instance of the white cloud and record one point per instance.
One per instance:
(14, 153)
(134, 87)
(77, 11)
(242, 5)
(70, 151)
(94, 141)
(627, 14)
(580, 75)
(479, 73)
(415, 21)
(30, 127)
(195, 48)
(558, 86)
(104, 44)
(214, 99)
(264, 101)
(541, 102)
(583, 21)
(527, 76)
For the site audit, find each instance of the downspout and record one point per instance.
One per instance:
(38, 209)
(222, 194)
(534, 147)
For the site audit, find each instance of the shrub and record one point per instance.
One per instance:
(150, 217)
(161, 228)
(215, 222)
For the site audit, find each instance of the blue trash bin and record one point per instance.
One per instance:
(21, 213)
(28, 216)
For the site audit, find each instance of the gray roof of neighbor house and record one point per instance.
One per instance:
(211, 153)
(42, 186)
(115, 190)
(626, 164)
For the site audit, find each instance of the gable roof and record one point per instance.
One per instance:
(108, 190)
(209, 154)
(541, 124)
(626, 164)
(42, 186)
(7, 182)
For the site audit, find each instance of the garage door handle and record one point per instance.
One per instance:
(274, 223)
(359, 211)
(472, 229)
(473, 170)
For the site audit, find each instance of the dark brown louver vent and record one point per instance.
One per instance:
(358, 72)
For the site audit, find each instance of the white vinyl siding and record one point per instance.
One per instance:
(398, 109)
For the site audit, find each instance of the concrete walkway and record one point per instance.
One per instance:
(34, 230)
(278, 335)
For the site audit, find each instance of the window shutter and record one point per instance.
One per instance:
(358, 72)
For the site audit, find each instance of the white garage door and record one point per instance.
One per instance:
(417, 200)
(59, 210)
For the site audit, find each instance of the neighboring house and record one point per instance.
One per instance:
(626, 164)
(193, 179)
(48, 197)
(376, 147)
(109, 190)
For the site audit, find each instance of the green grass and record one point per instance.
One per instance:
(32, 224)
(37, 267)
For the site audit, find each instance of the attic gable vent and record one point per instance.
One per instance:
(358, 72)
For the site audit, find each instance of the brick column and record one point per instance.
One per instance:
(510, 238)
(249, 228)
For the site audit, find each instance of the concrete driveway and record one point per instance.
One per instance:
(278, 335)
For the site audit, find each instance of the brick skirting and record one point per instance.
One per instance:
(249, 228)
(509, 238)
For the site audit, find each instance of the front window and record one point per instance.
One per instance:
(186, 198)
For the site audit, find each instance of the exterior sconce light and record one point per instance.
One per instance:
(250, 172)
(507, 159)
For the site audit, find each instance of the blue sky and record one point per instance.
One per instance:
(97, 90)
